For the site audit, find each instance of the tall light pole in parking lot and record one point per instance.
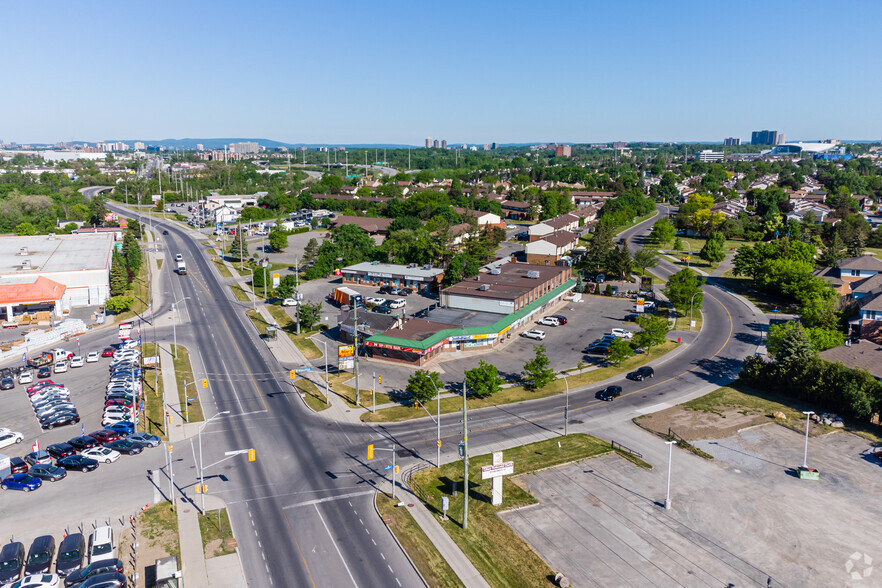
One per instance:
(670, 445)
(201, 471)
(808, 415)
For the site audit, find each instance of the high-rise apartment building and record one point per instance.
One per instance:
(444, 144)
(199, 147)
(428, 142)
(244, 147)
(494, 146)
(764, 138)
(564, 151)
(731, 141)
(436, 143)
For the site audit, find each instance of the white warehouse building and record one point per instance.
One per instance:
(80, 263)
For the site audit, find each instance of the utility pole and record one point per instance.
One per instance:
(374, 391)
(171, 477)
(241, 242)
(465, 454)
(355, 323)
(297, 291)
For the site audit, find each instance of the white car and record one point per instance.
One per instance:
(375, 301)
(8, 437)
(550, 321)
(76, 361)
(622, 333)
(179, 257)
(92, 357)
(60, 367)
(397, 303)
(101, 454)
(534, 334)
(289, 302)
(25, 377)
(116, 417)
(39, 581)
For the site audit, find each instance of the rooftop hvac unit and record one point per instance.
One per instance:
(26, 264)
(23, 251)
(495, 271)
(533, 274)
(484, 287)
(427, 266)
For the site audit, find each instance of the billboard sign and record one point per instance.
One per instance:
(346, 351)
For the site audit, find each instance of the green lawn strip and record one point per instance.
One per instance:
(303, 342)
(347, 392)
(258, 321)
(499, 554)
(139, 291)
(159, 263)
(240, 294)
(421, 551)
(187, 386)
(153, 415)
(222, 268)
(765, 302)
(159, 525)
(519, 393)
(215, 539)
(313, 395)
(681, 322)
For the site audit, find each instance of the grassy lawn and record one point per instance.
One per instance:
(347, 393)
(765, 302)
(419, 548)
(153, 416)
(499, 554)
(159, 263)
(216, 539)
(303, 342)
(519, 393)
(312, 394)
(140, 293)
(258, 321)
(184, 375)
(159, 524)
(239, 293)
(682, 320)
(222, 267)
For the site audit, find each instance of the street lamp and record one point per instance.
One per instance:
(437, 421)
(201, 471)
(566, 406)
(253, 291)
(327, 388)
(691, 300)
(670, 445)
(808, 414)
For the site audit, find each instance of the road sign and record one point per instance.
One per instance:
(388, 467)
(303, 369)
(191, 399)
(205, 382)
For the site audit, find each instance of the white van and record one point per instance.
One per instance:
(101, 546)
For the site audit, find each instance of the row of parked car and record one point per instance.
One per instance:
(92, 564)
(124, 387)
(52, 404)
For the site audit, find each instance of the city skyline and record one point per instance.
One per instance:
(693, 73)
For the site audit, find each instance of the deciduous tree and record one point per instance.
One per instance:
(422, 385)
(483, 380)
(537, 371)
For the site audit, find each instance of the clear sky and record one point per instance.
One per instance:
(466, 71)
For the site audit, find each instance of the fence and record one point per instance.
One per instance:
(622, 448)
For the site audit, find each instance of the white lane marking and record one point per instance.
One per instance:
(383, 556)
(372, 541)
(329, 499)
(367, 531)
(390, 568)
(261, 546)
(396, 580)
(361, 521)
(252, 522)
(354, 583)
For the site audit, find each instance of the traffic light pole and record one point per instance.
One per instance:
(355, 323)
(370, 456)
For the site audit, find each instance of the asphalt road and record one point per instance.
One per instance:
(303, 512)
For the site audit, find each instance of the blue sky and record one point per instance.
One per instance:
(478, 71)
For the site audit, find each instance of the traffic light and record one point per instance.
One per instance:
(396, 469)
(252, 455)
(370, 453)
(205, 382)
(198, 489)
(379, 379)
(293, 374)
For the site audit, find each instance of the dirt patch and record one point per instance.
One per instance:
(213, 547)
(693, 424)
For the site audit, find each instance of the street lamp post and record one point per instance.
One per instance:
(691, 300)
(327, 388)
(670, 445)
(566, 406)
(253, 291)
(437, 420)
(808, 415)
(201, 470)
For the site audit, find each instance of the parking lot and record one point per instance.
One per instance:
(80, 501)
(736, 520)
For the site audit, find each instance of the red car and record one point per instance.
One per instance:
(108, 352)
(127, 402)
(39, 386)
(105, 436)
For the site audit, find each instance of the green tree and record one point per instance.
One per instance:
(713, 249)
(538, 370)
(118, 304)
(422, 385)
(619, 350)
(119, 280)
(483, 380)
(794, 347)
(645, 258)
(25, 229)
(311, 249)
(97, 211)
(662, 232)
(286, 286)
(619, 262)
(600, 249)
(655, 329)
(681, 288)
(833, 252)
(310, 314)
(278, 239)
(131, 252)
(239, 246)
(678, 244)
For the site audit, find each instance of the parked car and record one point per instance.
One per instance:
(12, 558)
(77, 462)
(289, 302)
(8, 437)
(7, 384)
(59, 450)
(77, 361)
(405, 291)
(37, 457)
(26, 377)
(549, 321)
(599, 278)
(24, 482)
(101, 545)
(40, 555)
(93, 569)
(106, 580)
(47, 471)
(38, 581)
(83, 443)
(534, 334)
(71, 554)
(105, 435)
(609, 393)
(17, 465)
(374, 300)
(102, 453)
(622, 333)
(108, 352)
(631, 318)
(560, 318)
(641, 373)
(385, 290)
(397, 303)
(92, 357)
(44, 372)
(382, 309)
(125, 427)
(61, 367)
(144, 439)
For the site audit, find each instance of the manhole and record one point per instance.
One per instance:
(410, 506)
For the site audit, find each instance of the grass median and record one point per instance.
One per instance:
(217, 534)
(421, 551)
(187, 385)
(499, 554)
(240, 294)
(222, 267)
(513, 394)
(312, 394)
(302, 341)
(153, 415)
(347, 392)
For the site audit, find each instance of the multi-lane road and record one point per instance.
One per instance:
(303, 512)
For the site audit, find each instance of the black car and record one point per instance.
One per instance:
(60, 420)
(70, 554)
(560, 318)
(47, 471)
(59, 450)
(642, 373)
(85, 442)
(609, 393)
(17, 465)
(103, 566)
(631, 318)
(386, 289)
(405, 291)
(382, 309)
(40, 555)
(12, 559)
(44, 372)
(108, 580)
(7, 384)
(77, 462)
(125, 446)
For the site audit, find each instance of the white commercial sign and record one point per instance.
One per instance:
(494, 471)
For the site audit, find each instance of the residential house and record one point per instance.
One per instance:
(563, 222)
(481, 217)
(583, 198)
(368, 224)
(549, 250)
(516, 210)
(731, 208)
(801, 208)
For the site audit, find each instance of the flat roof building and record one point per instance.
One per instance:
(420, 278)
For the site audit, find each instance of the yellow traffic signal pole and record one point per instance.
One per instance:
(370, 455)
